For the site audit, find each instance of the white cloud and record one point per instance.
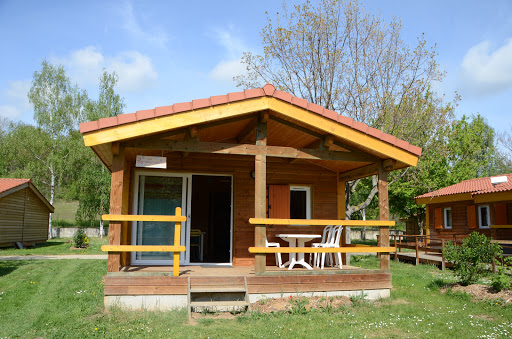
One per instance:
(15, 97)
(135, 70)
(230, 65)
(131, 24)
(485, 72)
(226, 70)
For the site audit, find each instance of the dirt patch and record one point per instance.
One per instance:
(480, 292)
(293, 303)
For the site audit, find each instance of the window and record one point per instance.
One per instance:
(484, 220)
(300, 202)
(448, 218)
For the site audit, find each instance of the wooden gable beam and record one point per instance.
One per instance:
(248, 149)
(247, 132)
(367, 171)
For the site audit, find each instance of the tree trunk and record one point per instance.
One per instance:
(363, 233)
(52, 199)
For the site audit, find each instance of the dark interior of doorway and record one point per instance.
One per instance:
(211, 219)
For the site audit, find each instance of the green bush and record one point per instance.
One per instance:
(80, 239)
(471, 260)
(502, 280)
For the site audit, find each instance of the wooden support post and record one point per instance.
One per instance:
(260, 194)
(443, 262)
(417, 251)
(383, 215)
(427, 224)
(341, 215)
(396, 249)
(177, 242)
(119, 191)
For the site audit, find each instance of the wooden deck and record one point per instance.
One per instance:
(423, 258)
(158, 280)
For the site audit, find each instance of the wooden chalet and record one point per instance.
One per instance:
(237, 169)
(482, 204)
(24, 213)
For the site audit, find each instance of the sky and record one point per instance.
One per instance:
(167, 52)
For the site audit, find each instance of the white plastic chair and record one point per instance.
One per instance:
(279, 262)
(325, 236)
(332, 242)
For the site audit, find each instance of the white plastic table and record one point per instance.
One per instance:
(297, 240)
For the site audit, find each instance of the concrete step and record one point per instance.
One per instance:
(217, 289)
(218, 303)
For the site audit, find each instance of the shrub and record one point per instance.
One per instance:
(471, 260)
(80, 239)
(502, 280)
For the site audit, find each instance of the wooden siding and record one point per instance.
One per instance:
(279, 172)
(462, 223)
(23, 217)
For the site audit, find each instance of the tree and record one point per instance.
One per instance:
(57, 104)
(338, 55)
(92, 182)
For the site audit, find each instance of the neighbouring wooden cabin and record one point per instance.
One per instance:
(482, 204)
(242, 168)
(24, 213)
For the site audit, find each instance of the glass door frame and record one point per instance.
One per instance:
(185, 210)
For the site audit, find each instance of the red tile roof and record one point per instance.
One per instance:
(267, 90)
(7, 183)
(473, 186)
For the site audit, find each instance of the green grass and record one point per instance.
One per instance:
(64, 299)
(64, 215)
(57, 246)
(65, 210)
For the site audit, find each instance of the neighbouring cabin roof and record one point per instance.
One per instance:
(468, 189)
(285, 110)
(11, 185)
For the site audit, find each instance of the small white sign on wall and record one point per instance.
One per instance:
(151, 162)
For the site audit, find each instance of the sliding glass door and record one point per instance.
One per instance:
(157, 195)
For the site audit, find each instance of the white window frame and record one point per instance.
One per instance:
(480, 216)
(446, 219)
(306, 189)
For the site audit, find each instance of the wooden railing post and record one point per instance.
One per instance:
(177, 242)
(396, 249)
(443, 264)
(417, 252)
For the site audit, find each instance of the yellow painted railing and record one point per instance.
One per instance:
(177, 219)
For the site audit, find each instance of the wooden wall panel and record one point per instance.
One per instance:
(11, 218)
(36, 219)
(23, 217)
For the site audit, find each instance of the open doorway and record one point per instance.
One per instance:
(210, 229)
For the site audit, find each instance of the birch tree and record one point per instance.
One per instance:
(93, 180)
(337, 54)
(56, 108)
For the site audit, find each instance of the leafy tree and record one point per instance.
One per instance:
(57, 105)
(92, 182)
(338, 55)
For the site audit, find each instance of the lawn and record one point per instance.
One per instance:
(58, 246)
(65, 299)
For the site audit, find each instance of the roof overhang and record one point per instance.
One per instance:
(101, 140)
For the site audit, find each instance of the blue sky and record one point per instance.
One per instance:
(173, 51)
